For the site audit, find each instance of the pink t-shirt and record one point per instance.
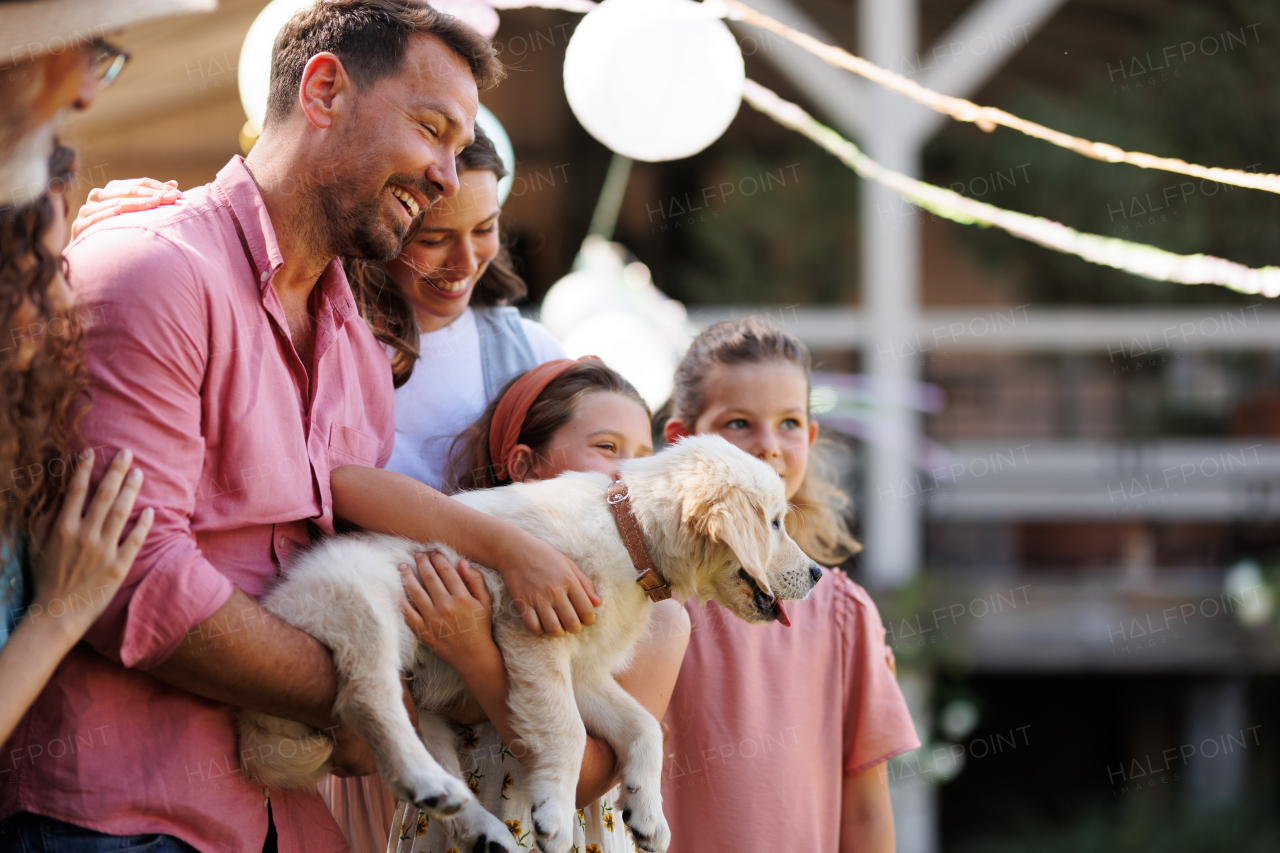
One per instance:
(191, 366)
(767, 720)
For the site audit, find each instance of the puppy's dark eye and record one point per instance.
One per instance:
(777, 524)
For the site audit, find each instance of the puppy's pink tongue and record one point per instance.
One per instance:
(782, 613)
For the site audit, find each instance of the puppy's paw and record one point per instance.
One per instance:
(475, 830)
(642, 813)
(437, 792)
(552, 826)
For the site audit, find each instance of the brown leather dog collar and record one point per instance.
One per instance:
(650, 579)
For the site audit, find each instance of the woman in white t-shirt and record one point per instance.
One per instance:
(441, 309)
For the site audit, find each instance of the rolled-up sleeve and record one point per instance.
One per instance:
(146, 347)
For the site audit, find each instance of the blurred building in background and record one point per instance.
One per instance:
(1068, 479)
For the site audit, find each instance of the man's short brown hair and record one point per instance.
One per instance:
(370, 37)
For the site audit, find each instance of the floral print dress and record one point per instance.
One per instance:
(496, 778)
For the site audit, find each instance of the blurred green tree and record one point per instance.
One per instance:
(1216, 104)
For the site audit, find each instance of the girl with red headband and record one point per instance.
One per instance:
(561, 416)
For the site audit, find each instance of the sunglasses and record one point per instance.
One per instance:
(107, 62)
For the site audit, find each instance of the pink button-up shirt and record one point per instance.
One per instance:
(192, 367)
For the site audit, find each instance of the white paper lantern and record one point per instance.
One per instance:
(654, 79)
(255, 56)
(612, 309)
(495, 131)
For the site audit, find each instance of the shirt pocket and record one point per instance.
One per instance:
(348, 446)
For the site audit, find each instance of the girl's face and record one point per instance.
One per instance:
(606, 429)
(459, 237)
(763, 408)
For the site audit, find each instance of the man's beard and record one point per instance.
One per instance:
(359, 229)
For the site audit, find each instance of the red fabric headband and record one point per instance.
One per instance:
(508, 418)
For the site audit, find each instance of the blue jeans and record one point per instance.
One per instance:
(25, 832)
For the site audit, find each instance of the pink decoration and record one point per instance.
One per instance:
(478, 14)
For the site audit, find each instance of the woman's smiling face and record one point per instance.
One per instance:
(438, 271)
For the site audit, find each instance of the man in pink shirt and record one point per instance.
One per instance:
(226, 350)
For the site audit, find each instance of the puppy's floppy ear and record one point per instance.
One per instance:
(726, 515)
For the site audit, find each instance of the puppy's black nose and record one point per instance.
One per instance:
(815, 572)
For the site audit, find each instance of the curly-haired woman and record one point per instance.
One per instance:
(58, 567)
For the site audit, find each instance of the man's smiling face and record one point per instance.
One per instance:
(396, 154)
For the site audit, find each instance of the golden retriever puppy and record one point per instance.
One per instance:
(712, 519)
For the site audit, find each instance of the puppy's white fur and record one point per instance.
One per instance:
(712, 518)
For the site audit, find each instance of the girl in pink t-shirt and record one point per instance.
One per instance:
(779, 734)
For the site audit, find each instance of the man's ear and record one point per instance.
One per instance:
(519, 463)
(675, 430)
(325, 85)
(730, 519)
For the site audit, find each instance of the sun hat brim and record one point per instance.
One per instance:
(32, 28)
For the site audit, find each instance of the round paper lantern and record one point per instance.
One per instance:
(495, 131)
(654, 79)
(611, 308)
(255, 56)
(477, 14)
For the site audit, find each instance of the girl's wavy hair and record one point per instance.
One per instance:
(37, 405)
(384, 306)
(817, 520)
(471, 466)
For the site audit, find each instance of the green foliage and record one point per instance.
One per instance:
(795, 243)
(1215, 110)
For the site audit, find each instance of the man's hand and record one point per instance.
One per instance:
(351, 756)
(548, 589)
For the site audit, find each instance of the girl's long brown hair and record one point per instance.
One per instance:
(383, 305)
(817, 521)
(37, 405)
(469, 461)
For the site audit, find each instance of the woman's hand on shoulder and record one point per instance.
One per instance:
(82, 561)
(448, 609)
(123, 196)
(550, 592)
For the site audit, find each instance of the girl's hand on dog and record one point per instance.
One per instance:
(548, 589)
(448, 609)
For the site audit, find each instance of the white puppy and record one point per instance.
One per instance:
(712, 518)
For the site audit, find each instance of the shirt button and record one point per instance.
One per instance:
(327, 512)
(282, 542)
(264, 276)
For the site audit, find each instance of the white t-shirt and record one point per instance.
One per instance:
(446, 394)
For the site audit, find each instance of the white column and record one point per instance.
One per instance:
(915, 798)
(891, 298)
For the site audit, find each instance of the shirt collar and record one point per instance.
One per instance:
(237, 185)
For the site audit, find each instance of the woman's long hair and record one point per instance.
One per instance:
(37, 405)
(385, 308)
